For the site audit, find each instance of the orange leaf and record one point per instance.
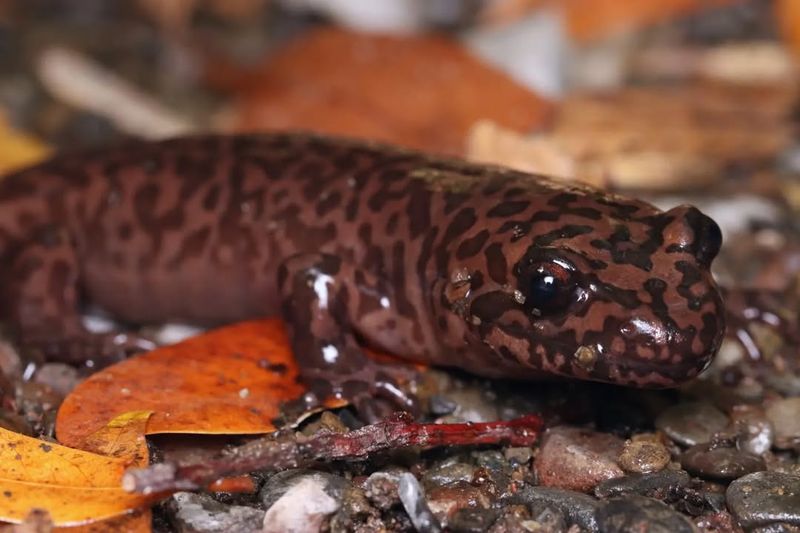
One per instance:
(18, 150)
(74, 486)
(418, 91)
(787, 15)
(229, 381)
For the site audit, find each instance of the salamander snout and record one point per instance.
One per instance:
(694, 232)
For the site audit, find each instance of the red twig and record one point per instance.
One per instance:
(397, 431)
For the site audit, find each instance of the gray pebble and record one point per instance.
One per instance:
(413, 500)
(785, 417)
(301, 500)
(381, 489)
(720, 463)
(578, 508)
(639, 513)
(200, 513)
(277, 485)
(691, 423)
(754, 432)
(447, 472)
(656, 485)
(60, 377)
(471, 520)
(765, 498)
(643, 456)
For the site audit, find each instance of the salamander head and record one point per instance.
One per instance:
(602, 290)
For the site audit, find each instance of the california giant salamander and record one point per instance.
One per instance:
(499, 272)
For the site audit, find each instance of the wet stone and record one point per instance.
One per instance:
(200, 513)
(471, 520)
(518, 455)
(380, 489)
(577, 508)
(643, 456)
(719, 522)
(785, 417)
(765, 498)
(59, 377)
(577, 459)
(10, 362)
(413, 499)
(301, 500)
(472, 405)
(547, 518)
(446, 500)
(657, 485)
(691, 423)
(720, 463)
(512, 519)
(639, 513)
(447, 472)
(754, 432)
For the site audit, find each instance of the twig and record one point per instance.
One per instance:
(80, 82)
(397, 431)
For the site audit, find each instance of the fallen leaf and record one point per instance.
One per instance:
(18, 150)
(419, 91)
(74, 486)
(787, 17)
(703, 130)
(229, 381)
(489, 143)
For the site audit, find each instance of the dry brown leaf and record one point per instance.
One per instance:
(424, 92)
(489, 143)
(229, 381)
(668, 137)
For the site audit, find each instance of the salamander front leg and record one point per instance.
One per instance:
(318, 291)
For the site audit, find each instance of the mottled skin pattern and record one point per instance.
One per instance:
(498, 272)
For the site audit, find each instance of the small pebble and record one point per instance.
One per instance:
(577, 459)
(10, 362)
(381, 489)
(518, 455)
(511, 520)
(201, 513)
(785, 417)
(58, 376)
(720, 463)
(447, 472)
(445, 500)
(299, 501)
(718, 522)
(754, 432)
(639, 513)
(644, 455)
(765, 498)
(691, 423)
(466, 520)
(473, 404)
(413, 500)
(578, 508)
(657, 485)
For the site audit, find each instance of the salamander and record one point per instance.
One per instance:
(355, 243)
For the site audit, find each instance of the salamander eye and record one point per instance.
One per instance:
(550, 289)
